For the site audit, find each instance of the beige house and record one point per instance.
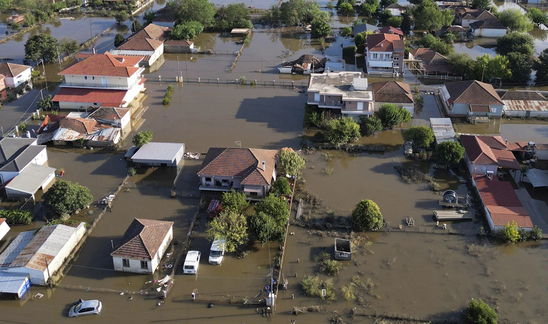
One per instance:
(393, 92)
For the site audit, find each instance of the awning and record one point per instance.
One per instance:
(538, 178)
(13, 283)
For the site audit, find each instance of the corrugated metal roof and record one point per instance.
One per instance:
(109, 134)
(538, 178)
(11, 283)
(158, 151)
(15, 247)
(525, 105)
(31, 179)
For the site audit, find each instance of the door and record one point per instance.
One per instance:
(316, 97)
(104, 81)
(360, 105)
(527, 114)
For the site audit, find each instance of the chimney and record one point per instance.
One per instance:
(263, 165)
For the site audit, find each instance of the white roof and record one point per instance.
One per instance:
(338, 84)
(11, 283)
(158, 151)
(77, 114)
(31, 179)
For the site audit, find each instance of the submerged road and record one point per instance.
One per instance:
(18, 110)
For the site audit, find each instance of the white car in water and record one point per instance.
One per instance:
(85, 307)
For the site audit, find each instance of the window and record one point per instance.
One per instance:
(493, 109)
(207, 179)
(144, 265)
(93, 78)
(374, 55)
(85, 77)
(397, 58)
(125, 263)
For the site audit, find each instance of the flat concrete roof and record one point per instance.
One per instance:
(31, 179)
(339, 83)
(158, 151)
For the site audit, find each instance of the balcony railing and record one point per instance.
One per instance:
(108, 86)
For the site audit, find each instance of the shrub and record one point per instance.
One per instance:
(536, 233)
(22, 127)
(328, 266)
(166, 101)
(132, 171)
(510, 233)
(346, 31)
(312, 287)
(17, 217)
(349, 51)
(281, 186)
(366, 216)
(478, 312)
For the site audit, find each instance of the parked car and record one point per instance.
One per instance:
(85, 307)
(217, 251)
(192, 262)
(213, 209)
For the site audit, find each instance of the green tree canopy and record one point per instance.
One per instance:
(521, 66)
(366, 216)
(273, 206)
(541, 65)
(370, 7)
(232, 226)
(481, 4)
(422, 136)
(346, 9)
(42, 46)
(384, 16)
(392, 115)
(462, 65)
(281, 187)
(428, 16)
(118, 39)
(121, 16)
(270, 219)
(360, 38)
(201, 11)
(65, 198)
(136, 26)
(386, 3)
(515, 20)
(478, 312)
(295, 12)
(486, 68)
(289, 162)
(342, 130)
(233, 16)
(346, 31)
(407, 22)
(234, 201)
(369, 125)
(69, 46)
(45, 104)
(436, 44)
(17, 217)
(186, 30)
(142, 138)
(537, 16)
(394, 21)
(515, 42)
(449, 152)
(320, 27)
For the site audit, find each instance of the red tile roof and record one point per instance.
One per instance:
(95, 96)
(392, 91)
(142, 239)
(502, 202)
(140, 44)
(243, 163)
(385, 43)
(105, 65)
(152, 31)
(473, 92)
(489, 150)
(391, 30)
(10, 70)
(80, 125)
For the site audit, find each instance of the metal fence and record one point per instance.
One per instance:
(239, 82)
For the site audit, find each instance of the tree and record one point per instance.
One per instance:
(515, 20)
(428, 16)
(265, 228)
(320, 27)
(407, 22)
(369, 125)
(366, 216)
(121, 16)
(481, 4)
(281, 187)
(234, 201)
(541, 65)
(384, 16)
(346, 9)
(201, 11)
(65, 198)
(148, 17)
(391, 115)
(537, 16)
(136, 26)
(4, 5)
(289, 162)
(346, 31)
(119, 39)
(370, 7)
(69, 46)
(515, 42)
(186, 30)
(521, 66)
(462, 64)
(142, 138)
(487, 68)
(30, 20)
(449, 152)
(436, 44)
(295, 12)
(422, 136)
(360, 38)
(17, 217)
(394, 22)
(275, 207)
(45, 104)
(42, 46)
(342, 130)
(478, 312)
(230, 225)
(233, 16)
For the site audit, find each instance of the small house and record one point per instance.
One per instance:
(14, 74)
(471, 99)
(143, 246)
(396, 9)
(524, 103)
(159, 154)
(488, 28)
(443, 130)
(393, 92)
(384, 53)
(485, 154)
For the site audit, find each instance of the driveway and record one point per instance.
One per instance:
(16, 111)
(430, 109)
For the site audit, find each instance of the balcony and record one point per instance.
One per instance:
(64, 84)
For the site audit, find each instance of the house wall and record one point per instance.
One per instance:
(4, 229)
(479, 169)
(97, 81)
(395, 12)
(467, 22)
(132, 94)
(460, 109)
(236, 182)
(180, 49)
(7, 176)
(153, 54)
(488, 32)
(255, 191)
(542, 154)
(41, 158)
(523, 113)
(409, 107)
(18, 79)
(352, 106)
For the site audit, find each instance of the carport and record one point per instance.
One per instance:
(14, 284)
(537, 178)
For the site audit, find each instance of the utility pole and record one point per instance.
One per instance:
(47, 268)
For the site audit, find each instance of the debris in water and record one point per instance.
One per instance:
(38, 295)
(210, 305)
(122, 293)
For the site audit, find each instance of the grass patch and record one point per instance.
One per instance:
(313, 287)
(326, 265)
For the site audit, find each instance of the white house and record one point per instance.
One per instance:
(384, 53)
(16, 154)
(251, 171)
(15, 74)
(485, 154)
(101, 80)
(40, 254)
(488, 28)
(159, 154)
(525, 103)
(148, 42)
(471, 98)
(4, 228)
(396, 9)
(344, 92)
(143, 245)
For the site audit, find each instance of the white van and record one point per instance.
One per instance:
(217, 251)
(192, 262)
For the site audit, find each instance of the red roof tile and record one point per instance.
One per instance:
(80, 125)
(391, 30)
(97, 97)
(142, 239)
(140, 44)
(385, 43)
(10, 70)
(473, 92)
(478, 152)
(105, 65)
(392, 91)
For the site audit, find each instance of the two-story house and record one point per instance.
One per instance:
(471, 98)
(148, 42)
(101, 80)
(384, 53)
(344, 92)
